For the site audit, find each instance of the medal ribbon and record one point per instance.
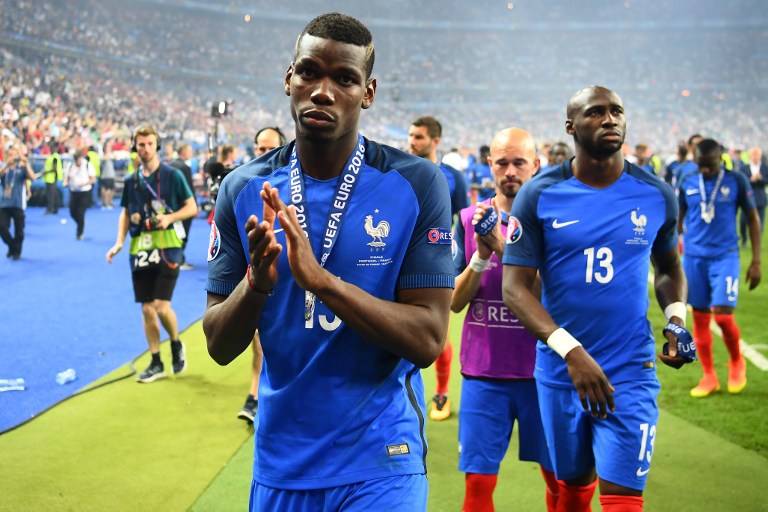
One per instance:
(341, 199)
(710, 204)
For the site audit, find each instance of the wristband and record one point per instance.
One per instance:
(478, 264)
(487, 222)
(677, 309)
(686, 347)
(562, 342)
(268, 293)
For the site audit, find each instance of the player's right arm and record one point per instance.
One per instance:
(594, 388)
(122, 232)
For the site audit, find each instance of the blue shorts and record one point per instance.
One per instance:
(620, 447)
(486, 419)
(406, 493)
(712, 282)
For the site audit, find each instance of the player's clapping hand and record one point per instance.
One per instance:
(263, 249)
(304, 265)
(594, 388)
(493, 239)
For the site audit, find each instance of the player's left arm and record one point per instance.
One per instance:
(671, 290)
(753, 272)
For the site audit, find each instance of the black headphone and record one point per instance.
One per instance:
(133, 138)
(273, 128)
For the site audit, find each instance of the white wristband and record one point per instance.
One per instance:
(478, 264)
(677, 309)
(562, 342)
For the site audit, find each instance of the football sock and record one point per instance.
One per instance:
(616, 503)
(731, 335)
(443, 368)
(703, 337)
(478, 496)
(576, 498)
(553, 489)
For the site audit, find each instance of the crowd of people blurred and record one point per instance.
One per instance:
(74, 76)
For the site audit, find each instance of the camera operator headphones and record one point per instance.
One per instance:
(274, 129)
(145, 129)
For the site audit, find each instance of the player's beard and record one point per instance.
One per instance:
(599, 151)
(507, 191)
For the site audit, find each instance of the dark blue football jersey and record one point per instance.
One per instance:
(335, 409)
(592, 247)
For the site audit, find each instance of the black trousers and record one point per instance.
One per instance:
(78, 203)
(51, 198)
(17, 215)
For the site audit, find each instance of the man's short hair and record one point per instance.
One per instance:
(344, 29)
(707, 146)
(275, 129)
(433, 126)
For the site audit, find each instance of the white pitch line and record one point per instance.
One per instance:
(748, 351)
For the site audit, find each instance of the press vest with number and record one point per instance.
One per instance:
(167, 241)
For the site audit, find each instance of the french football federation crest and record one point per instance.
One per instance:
(514, 230)
(639, 222)
(378, 232)
(725, 190)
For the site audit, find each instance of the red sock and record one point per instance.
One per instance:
(616, 503)
(553, 489)
(576, 498)
(703, 337)
(731, 335)
(479, 492)
(443, 368)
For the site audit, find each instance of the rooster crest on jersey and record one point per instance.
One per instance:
(639, 222)
(378, 232)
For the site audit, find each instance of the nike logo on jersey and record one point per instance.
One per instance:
(641, 472)
(691, 191)
(558, 225)
(278, 230)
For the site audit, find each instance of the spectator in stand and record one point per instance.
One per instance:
(645, 159)
(14, 173)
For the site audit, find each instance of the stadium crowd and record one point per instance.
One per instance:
(69, 69)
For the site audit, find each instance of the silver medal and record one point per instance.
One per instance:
(309, 305)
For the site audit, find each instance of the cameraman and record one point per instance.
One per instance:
(13, 176)
(156, 198)
(217, 169)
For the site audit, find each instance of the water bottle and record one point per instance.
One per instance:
(66, 376)
(12, 385)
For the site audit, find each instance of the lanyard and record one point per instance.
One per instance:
(708, 208)
(10, 175)
(157, 203)
(339, 205)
